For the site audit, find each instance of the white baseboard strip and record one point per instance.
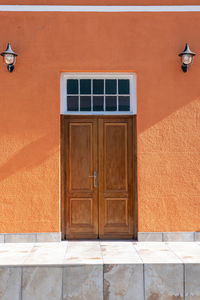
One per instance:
(100, 8)
(168, 236)
(30, 237)
(142, 237)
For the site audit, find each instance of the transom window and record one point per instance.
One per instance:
(98, 94)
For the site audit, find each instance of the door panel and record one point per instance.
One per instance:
(116, 211)
(80, 157)
(115, 178)
(82, 210)
(115, 157)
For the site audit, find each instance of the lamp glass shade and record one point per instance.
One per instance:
(9, 59)
(187, 59)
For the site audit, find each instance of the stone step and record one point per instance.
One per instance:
(97, 270)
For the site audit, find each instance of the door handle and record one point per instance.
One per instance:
(95, 178)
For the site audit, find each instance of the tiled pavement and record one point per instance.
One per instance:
(97, 270)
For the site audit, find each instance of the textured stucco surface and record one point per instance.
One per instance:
(168, 120)
(169, 172)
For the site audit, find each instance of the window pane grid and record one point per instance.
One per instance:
(114, 95)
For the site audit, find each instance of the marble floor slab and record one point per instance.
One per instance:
(192, 281)
(119, 253)
(42, 283)
(14, 254)
(83, 282)
(156, 252)
(164, 281)
(10, 283)
(188, 252)
(84, 252)
(47, 254)
(123, 282)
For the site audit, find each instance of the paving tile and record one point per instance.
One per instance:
(47, 254)
(178, 236)
(163, 281)
(187, 252)
(42, 283)
(83, 282)
(123, 282)
(20, 238)
(119, 252)
(14, 254)
(48, 237)
(10, 283)
(155, 252)
(192, 281)
(84, 252)
(149, 236)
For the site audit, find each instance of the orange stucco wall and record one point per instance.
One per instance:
(168, 122)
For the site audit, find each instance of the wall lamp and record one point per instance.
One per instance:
(187, 57)
(9, 58)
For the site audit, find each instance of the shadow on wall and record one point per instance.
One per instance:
(165, 94)
(29, 157)
(169, 172)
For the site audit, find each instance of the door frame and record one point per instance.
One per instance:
(63, 174)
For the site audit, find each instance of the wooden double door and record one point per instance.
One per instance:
(98, 177)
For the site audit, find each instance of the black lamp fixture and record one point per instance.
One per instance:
(186, 58)
(9, 58)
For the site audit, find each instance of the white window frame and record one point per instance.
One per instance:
(63, 92)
